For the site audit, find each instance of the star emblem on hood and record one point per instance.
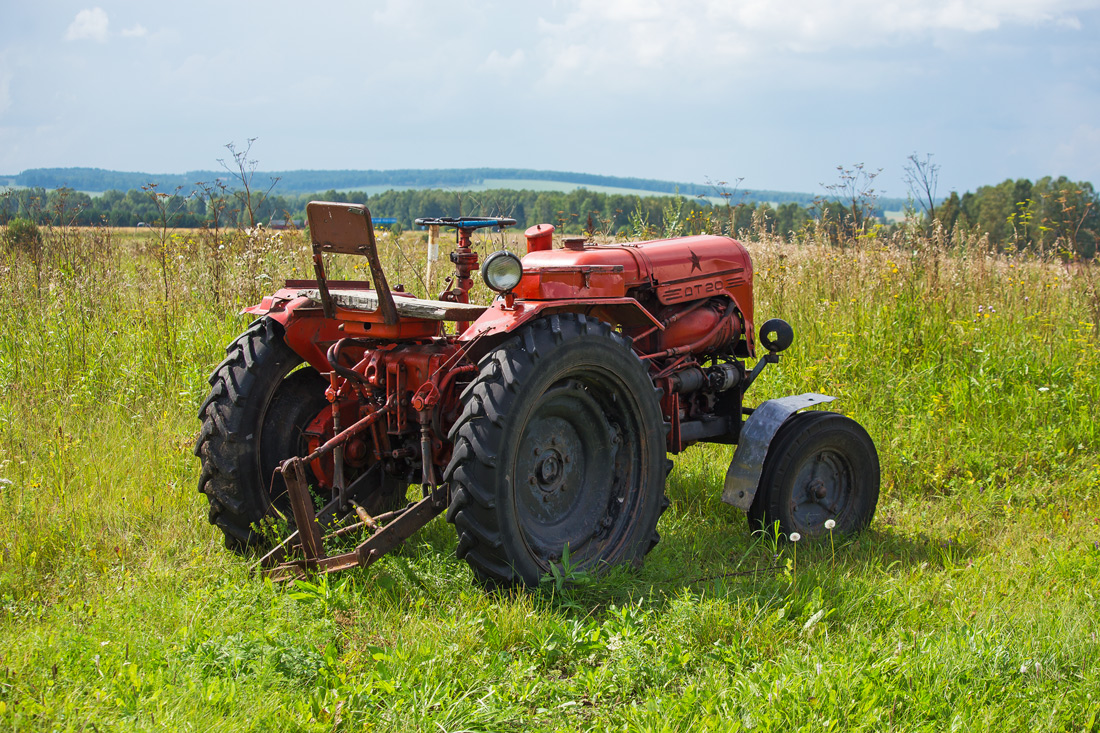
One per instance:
(695, 261)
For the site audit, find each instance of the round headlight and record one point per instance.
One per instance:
(502, 271)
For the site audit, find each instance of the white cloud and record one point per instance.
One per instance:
(406, 15)
(88, 24)
(498, 62)
(696, 34)
(880, 21)
(138, 31)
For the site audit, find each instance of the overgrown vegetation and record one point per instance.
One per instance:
(22, 234)
(970, 604)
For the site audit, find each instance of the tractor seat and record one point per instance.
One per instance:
(432, 310)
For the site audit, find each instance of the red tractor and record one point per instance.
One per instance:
(541, 423)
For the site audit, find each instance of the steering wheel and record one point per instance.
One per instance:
(467, 222)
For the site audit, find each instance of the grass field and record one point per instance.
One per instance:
(970, 604)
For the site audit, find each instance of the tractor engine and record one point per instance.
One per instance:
(697, 292)
(704, 325)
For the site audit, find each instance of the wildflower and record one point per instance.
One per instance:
(1044, 389)
(795, 537)
(830, 523)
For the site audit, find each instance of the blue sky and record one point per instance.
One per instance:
(777, 93)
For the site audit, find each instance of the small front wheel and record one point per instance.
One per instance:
(820, 466)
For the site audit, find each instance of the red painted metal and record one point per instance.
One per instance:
(704, 324)
(500, 319)
(465, 260)
(310, 333)
(666, 271)
(540, 237)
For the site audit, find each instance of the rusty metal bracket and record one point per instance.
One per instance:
(387, 531)
(382, 541)
(305, 519)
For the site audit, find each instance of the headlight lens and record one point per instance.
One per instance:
(502, 271)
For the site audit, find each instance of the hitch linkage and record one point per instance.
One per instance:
(387, 530)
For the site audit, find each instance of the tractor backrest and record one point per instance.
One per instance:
(336, 228)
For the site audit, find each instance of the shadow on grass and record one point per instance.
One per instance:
(729, 562)
(702, 556)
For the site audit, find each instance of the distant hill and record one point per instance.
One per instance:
(316, 181)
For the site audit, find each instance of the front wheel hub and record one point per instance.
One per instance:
(549, 468)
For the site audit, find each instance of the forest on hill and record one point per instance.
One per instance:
(1015, 214)
(311, 181)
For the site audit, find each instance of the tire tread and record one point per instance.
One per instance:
(479, 431)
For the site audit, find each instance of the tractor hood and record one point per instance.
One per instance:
(678, 270)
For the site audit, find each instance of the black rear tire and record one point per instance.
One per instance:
(820, 466)
(251, 422)
(560, 443)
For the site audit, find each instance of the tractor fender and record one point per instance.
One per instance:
(743, 475)
(499, 318)
(308, 333)
(279, 307)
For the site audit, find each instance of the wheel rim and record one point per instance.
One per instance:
(578, 457)
(822, 490)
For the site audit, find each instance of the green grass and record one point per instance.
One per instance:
(970, 604)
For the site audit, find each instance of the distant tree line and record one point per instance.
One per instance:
(305, 181)
(1021, 215)
(578, 210)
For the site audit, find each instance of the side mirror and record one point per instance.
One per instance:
(776, 335)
